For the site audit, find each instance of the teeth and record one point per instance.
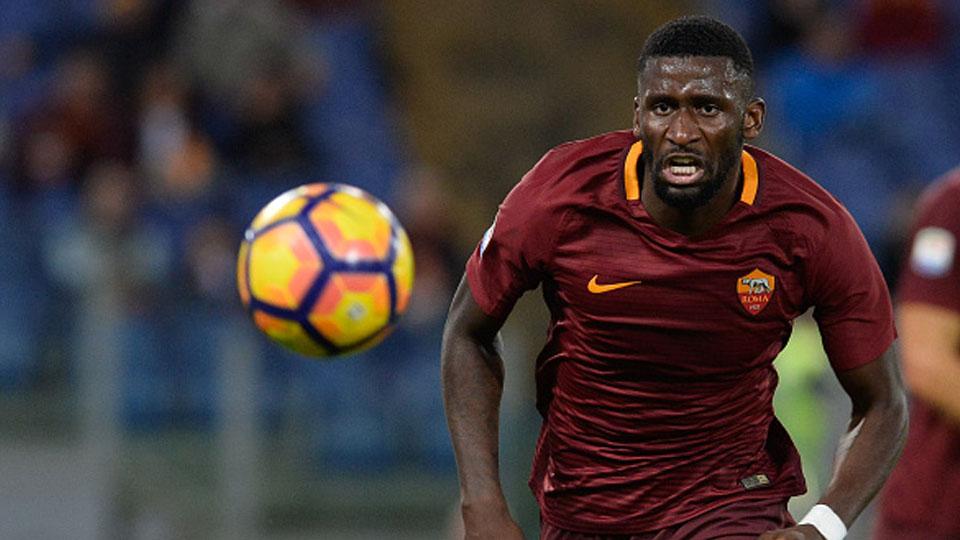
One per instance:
(683, 170)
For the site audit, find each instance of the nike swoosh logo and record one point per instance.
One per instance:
(597, 288)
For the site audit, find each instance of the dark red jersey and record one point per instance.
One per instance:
(922, 495)
(656, 380)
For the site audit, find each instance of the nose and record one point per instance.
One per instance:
(683, 128)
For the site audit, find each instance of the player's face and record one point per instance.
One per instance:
(693, 115)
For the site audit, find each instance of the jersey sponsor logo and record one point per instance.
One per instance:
(933, 251)
(755, 290)
(600, 288)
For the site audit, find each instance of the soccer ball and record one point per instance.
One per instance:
(325, 270)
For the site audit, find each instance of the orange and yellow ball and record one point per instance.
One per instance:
(325, 270)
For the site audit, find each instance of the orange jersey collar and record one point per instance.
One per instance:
(631, 180)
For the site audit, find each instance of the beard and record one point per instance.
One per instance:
(692, 197)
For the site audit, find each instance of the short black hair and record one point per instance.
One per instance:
(698, 36)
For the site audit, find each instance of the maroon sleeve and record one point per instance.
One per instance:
(931, 274)
(512, 256)
(850, 298)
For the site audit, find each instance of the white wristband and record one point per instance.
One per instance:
(826, 521)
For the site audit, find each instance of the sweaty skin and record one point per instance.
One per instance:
(696, 109)
(472, 374)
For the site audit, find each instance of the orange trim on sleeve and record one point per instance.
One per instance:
(751, 180)
(631, 183)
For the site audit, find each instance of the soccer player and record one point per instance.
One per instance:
(673, 259)
(922, 498)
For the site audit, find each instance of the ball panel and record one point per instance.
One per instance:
(370, 343)
(288, 333)
(283, 266)
(242, 284)
(403, 270)
(313, 190)
(352, 227)
(351, 308)
(286, 205)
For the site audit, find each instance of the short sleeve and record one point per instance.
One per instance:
(851, 301)
(931, 274)
(515, 251)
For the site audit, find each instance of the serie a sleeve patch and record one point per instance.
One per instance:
(933, 252)
(486, 237)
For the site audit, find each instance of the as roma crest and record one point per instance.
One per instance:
(755, 290)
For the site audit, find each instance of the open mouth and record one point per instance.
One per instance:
(682, 170)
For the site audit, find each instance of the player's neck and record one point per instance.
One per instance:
(696, 221)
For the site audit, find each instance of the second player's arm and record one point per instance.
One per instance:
(472, 376)
(930, 350)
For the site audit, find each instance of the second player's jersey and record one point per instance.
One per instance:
(922, 494)
(656, 380)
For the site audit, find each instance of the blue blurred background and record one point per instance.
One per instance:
(139, 137)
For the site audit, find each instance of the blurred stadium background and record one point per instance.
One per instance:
(139, 137)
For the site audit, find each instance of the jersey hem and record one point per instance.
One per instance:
(647, 526)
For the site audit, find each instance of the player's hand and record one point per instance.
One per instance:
(489, 522)
(800, 532)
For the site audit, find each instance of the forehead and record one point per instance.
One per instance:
(714, 74)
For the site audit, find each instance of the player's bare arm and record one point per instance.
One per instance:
(472, 375)
(930, 352)
(866, 454)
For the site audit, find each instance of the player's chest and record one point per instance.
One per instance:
(744, 280)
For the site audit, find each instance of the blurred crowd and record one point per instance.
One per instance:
(139, 137)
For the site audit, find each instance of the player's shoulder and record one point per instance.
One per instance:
(943, 192)
(785, 185)
(611, 141)
(793, 198)
(563, 164)
(568, 175)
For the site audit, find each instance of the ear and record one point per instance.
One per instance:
(753, 118)
(636, 116)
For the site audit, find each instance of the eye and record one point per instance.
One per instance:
(709, 109)
(661, 108)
